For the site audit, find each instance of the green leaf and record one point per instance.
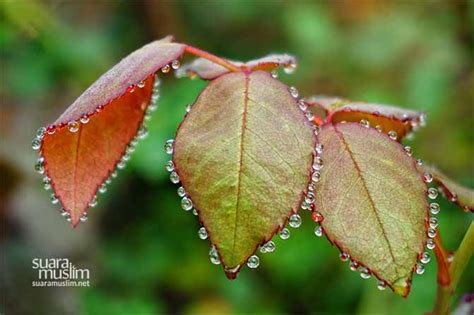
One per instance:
(244, 155)
(373, 202)
(454, 192)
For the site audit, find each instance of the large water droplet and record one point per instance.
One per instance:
(430, 244)
(253, 262)
(293, 91)
(84, 119)
(364, 272)
(36, 144)
(73, 126)
(166, 69)
(202, 233)
(344, 256)
(213, 256)
(295, 221)
(141, 84)
(431, 233)
(316, 177)
(433, 222)
(434, 208)
(432, 193)
(186, 204)
(392, 135)
(285, 234)
(420, 269)
(425, 258)
(169, 166)
(174, 178)
(181, 191)
(318, 231)
(169, 146)
(268, 247)
(175, 64)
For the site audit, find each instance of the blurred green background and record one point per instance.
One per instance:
(142, 249)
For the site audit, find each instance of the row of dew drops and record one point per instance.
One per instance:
(74, 126)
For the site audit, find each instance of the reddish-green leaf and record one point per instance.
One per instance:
(208, 70)
(373, 201)
(462, 196)
(387, 117)
(87, 141)
(244, 156)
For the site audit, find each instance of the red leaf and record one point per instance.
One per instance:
(387, 117)
(208, 70)
(77, 163)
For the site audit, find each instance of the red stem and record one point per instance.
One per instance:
(204, 54)
(442, 255)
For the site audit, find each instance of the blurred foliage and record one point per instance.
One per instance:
(145, 256)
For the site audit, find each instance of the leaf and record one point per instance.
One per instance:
(373, 201)
(460, 195)
(79, 162)
(388, 117)
(244, 176)
(208, 70)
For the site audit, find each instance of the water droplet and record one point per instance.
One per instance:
(103, 189)
(344, 256)
(430, 244)
(39, 165)
(318, 163)
(319, 148)
(51, 129)
(84, 119)
(317, 217)
(450, 258)
(305, 205)
(213, 256)
(157, 82)
(420, 269)
(253, 262)
(302, 105)
(195, 212)
(188, 108)
(365, 123)
(93, 202)
(63, 212)
(181, 191)
(186, 204)
(169, 166)
(121, 165)
(68, 218)
(166, 69)
(432, 193)
(425, 258)
(289, 68)
(40, 132)
(309, 116)
(295, 221)
(309, 197)
(202, 233)
(392, 135)
(381, 285)
(379, 128)
(141, 84)
(364, 272)
(131, 88)
(312, 186)
(83, 217)
(318, 231)
(54, 199)
(130, 149)
(268, 247)
(419, 162)
(169, 146)
(285, 234)
(431, 232)
(36, 144)
(175, 64)
(147, 117)
(114, 174)
(174, 178)
(152, 107)
(427, 178)
(142, 133)
(317, 130)
(125, 157)
(73, 126)
(274, 73)
(316, 177)
(434, 208)
(353, 265)
(433, 222)
(46, 183)
(408, 150)
(108, 181)
(293, 91)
